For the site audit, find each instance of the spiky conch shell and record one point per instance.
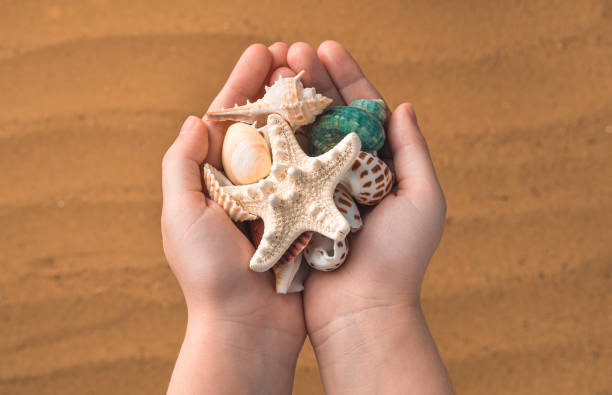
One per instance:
(214, 180)
(286, 97)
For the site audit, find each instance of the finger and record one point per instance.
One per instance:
(345, 73)
(414, 169)
(279, 55)
(181, 163)
(245, 81)
(302, 56)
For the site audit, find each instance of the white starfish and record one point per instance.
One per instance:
(297, 196)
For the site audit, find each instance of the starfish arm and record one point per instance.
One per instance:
(248, 197)
(275, 241)
(284, 146)
(339, 159)
(330, 222)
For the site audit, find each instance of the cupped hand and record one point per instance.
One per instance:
(375, 294)
(210, 256)
(389, 255)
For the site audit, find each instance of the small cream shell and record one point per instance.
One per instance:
(245, 154)
(325, 254)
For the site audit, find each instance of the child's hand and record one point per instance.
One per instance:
(364, 319)
(241, 335)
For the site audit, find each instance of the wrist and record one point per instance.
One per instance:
(379, 349)
(229, 356)
(256, 339)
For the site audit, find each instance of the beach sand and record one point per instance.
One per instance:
(515, 100)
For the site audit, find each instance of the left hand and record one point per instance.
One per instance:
(241, 335)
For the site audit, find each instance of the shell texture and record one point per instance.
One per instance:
(215, 183)
(375, 107)
(347, 206)
(325, 254)
(285, 273)
(297, 284)
(245, 154)
(336, 122)
(286, 97)
(369, 180)
(297, 196)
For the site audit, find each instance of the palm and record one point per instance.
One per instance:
(215, 266)
(208, 254)
(388, 256)
(386, 262)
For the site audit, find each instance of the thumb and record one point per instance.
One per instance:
(414, 169)
(181, 164)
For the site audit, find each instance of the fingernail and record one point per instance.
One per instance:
(188, 124)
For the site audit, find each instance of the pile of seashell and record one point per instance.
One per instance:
(269, 176)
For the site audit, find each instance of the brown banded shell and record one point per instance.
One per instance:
(369, 180)
(347, 206)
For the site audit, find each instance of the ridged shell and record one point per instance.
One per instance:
(287, 97)
(245, 154)
(336, 122)
(325, 254)
(376, 107)
(347, 206)
(369, 180)
(214, 180)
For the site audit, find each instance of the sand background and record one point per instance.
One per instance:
(515, 99)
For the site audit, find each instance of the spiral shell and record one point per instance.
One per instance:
(245, 154)
(325, 254)
(214, 180)
(369, 180)
(347, 206)
(375, 107)
(336, 122)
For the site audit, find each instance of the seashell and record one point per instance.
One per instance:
(285, 274)
(297, 284)
(325, 254)
(215, 181)
(336, 122)
(369, 180)
(297, 196)
(347, 206)
(296, 248)
(256, 230)
(245, 154)
(286, 97)
(375, 107)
